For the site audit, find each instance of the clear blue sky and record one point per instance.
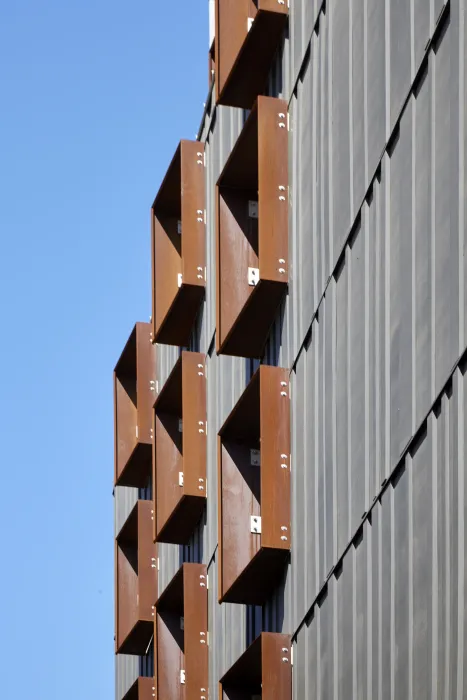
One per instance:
(94, 96)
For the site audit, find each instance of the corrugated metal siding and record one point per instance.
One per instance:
(391, 620)
(337, 143)
(172, 556)
(385, 336)
(126, 673)
(342, 120)
(129, 668)
(146, 663)
(166, 357)
(125, 499)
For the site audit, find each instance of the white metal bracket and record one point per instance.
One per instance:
(179, 227)
(249, 23)
(253, 276)
(182, 676)
(255, 524)
(180, 425)
(180, 478)
(179, 279)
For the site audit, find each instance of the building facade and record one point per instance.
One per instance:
(291, 424)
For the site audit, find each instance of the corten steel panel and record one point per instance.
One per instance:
(264, 670)
(142, 689)
(251, 564)
(183, 646)
(244, 56)
(257, 170)
(275, 457)
(181, 198)
(134, 385)
(170, 656)
(195, 599)
(181, 404)
(135, 581)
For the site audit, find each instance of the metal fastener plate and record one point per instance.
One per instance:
(255, 524)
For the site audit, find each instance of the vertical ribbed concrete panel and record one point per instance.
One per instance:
(371, 329)
(342, 116)
(397, 598)
(385, 337)
(387, 331)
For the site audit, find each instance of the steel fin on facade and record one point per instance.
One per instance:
(364, 341)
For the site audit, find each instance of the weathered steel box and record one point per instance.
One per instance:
(181, 636)
(254, 490)
(179, 472)
(248, 35)
(252, 231)
(134, 387)
(178, 246)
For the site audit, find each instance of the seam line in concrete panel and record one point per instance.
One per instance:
(461, 361)
(340, 258)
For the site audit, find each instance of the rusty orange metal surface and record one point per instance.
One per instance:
(265, 670)
(178, 246)
(248, 35)
(252, 231)
(254, 482)
(180, 450)
(135, 581)
(181, 635)
(134, 384)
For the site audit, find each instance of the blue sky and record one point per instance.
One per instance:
(94, 96)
